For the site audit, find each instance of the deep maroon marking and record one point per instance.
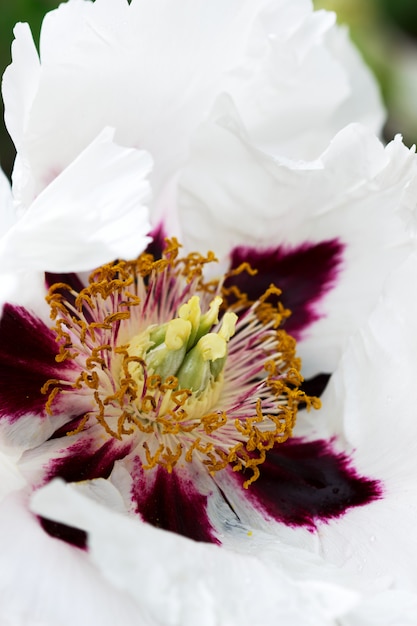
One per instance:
(73, 281)
(305, 274)
(70, 279)
(74, 536)
(316, 385)
(302, 483)
(70, 426)
(27, 360)
(172, 503)
(84, 462)
(157, 244)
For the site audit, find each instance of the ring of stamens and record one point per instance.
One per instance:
(182, 383)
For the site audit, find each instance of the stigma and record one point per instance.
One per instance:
(160, 358)
(185, 347)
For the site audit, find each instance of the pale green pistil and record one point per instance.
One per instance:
(184, 347)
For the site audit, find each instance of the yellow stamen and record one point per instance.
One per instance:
(163, 377)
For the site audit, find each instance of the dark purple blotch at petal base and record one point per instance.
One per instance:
(70, 279)
(303, 483)
(171, 502)
(70, 426)
(27, 360)
(314, 386)
(84, 461)
(157, 244)
(73, 281)
(74, 536)
(304, 274)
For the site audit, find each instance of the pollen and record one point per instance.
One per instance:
(160, 358)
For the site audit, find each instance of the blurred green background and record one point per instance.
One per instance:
(384, 30)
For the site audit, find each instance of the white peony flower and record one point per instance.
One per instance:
(166, 394)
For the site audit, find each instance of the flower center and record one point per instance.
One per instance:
(184, 347)
(154, 358)
(179, 362)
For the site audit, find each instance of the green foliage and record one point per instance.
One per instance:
(403, 13)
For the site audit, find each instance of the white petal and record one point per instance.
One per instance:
(45, 581)
(371, 396)
(26, 289)
(20, 83)
(26, 435)
(19, 87)
(389, 608)
(183, 582)
(90, 214)
(302, 82)
(233, 194)
(148, 69)
(364, 101)
(7, 216)
(152, 71)
(302, 590)
(11, 479)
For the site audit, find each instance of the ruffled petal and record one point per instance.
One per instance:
(369, 408)
(286, 586)
(20, 83)
(90, 214)
(83, 46)
(368, 416)
(46, 581)
(169, 567)
(234, 195)
(363, 104)
(301, 82)
(283, 64)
